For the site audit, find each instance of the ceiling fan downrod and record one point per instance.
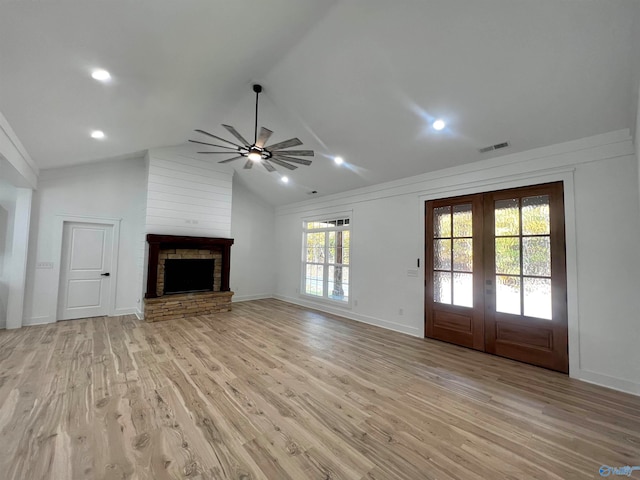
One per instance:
(258, 89)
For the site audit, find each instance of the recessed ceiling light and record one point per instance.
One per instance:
(338, 160)
(97, 134)
(285, 179)
(439, 124)
(101, 75)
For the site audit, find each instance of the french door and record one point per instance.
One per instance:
(496, 275)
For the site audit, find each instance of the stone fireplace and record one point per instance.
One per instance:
(208, 297)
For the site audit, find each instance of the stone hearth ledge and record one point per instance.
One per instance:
(185, 305)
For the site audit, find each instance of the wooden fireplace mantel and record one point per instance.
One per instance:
(160, 242)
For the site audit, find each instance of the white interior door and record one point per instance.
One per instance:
(85, 277)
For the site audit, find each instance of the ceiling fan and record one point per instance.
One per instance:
(257, 152)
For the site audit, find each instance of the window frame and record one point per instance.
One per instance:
(325, 298)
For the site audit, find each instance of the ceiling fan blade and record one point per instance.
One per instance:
(282, 164)
(213, 145)
(235, 133)
(223, 153)
(264, 135)
(293, 142)
(230, 159)
(219, 138)
(268, 166)
(293, 160)
(297, 153)
(249, 164)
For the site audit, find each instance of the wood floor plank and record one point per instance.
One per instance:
(276, 391)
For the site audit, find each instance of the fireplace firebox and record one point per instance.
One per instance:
(188, 275)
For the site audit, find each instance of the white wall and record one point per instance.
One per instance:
(252, 261)
(603, 264)
(108, 189)
(18, 175)
(8, 194)
(635, 83)
(17, 265)
(6, 226)
(187, 196)
(607, 230)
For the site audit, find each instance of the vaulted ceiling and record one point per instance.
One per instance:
(362, 79)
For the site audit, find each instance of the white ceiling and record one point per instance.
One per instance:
(358, 78)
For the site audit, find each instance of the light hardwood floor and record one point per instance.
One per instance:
(275, 391)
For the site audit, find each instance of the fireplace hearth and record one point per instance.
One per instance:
(187, 276)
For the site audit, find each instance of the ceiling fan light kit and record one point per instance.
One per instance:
(257, 152)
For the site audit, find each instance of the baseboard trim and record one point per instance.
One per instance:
(607, 381)
(247, 298)
(119, 312)
(41, 320)
(375, 321)
(45, 319)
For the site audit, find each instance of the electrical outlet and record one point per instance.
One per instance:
(355, 303)
(47, 265)
(297, 290)
(401, 311)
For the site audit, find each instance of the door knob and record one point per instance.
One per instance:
(105, 274)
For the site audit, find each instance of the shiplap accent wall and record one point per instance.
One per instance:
(142, 248)
(187, 196)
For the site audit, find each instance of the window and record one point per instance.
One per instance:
(325, 263)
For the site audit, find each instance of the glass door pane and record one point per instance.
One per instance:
(522, 242)
(453, 255)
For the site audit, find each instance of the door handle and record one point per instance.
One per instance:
(105, 274)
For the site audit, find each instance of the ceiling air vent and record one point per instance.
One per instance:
(491, 148)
